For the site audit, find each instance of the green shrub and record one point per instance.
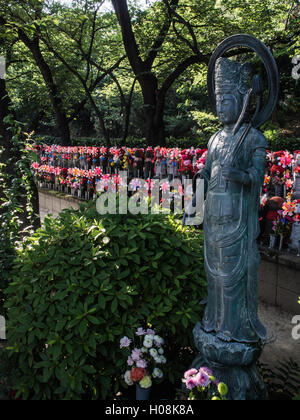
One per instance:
(17, 212)
(47, 139)
(7, 255)
(277, 141)
(81, 283)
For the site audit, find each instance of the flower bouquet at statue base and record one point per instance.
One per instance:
(145, 358)
(203, 386)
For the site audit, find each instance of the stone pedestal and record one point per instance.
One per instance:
(232, 363)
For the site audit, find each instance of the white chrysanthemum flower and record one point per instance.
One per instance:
(153, 352)
(148, 341)
(157, 373)
(161, 351)
(163, 360)
(127, 378)
(158, 340)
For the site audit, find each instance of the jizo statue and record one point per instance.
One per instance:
(233, 174)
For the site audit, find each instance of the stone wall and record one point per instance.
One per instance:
(53, 202)
(279, 275)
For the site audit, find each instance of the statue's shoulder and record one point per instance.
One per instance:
(212, 139)
(258, 140)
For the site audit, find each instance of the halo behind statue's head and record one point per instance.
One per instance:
(232, 77)
(225, 75)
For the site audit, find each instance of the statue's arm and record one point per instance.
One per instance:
(258, 162)
(258, 158)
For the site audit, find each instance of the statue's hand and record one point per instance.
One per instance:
(234, 175)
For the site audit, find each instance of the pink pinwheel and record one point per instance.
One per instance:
(285, 160)
(150, 184)
(35, 166)
(90, 174)
(165, 186)
(106, 177)
(289, 184)
(289, 208)
(135, 184)
(98, 172)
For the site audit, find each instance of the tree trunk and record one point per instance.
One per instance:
(105, 131)
(60, 116)
(159, 123)
(155, 128)
(153, 111)
(153, 105)
(128, 105)
(99, 116)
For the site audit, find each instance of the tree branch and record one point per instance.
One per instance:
(162, 35)
(199, 58)
(130, 44)
(194, 47)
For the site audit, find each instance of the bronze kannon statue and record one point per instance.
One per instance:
(233, 175)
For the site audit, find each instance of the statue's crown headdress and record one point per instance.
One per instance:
(232, 76)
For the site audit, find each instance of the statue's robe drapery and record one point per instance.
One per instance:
(231, 227)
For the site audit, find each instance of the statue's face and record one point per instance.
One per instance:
(229, 108)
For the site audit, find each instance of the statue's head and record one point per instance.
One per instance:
(231, 84)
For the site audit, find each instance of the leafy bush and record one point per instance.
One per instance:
(207, 123)
(277, 141)
(17, 213)
(80, 283)
(8, 236)
(186, 143)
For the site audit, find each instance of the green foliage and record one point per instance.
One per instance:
(81, 283)
(277, 141)
(79, 42)
(16, 210)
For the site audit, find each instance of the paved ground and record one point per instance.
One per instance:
(279, 324)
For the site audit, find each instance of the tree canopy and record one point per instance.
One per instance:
(83, 69)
